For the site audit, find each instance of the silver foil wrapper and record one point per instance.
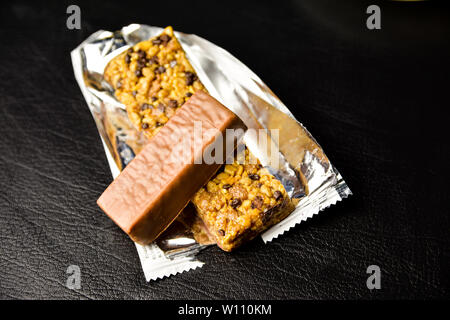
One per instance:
(302, 167)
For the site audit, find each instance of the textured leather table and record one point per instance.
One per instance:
(375, 100)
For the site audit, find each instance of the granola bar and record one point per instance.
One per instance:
(153, 79)
(240, 202)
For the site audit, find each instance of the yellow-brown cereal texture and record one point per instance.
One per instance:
(240, 202)
(153, 79)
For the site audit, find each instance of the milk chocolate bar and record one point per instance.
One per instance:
(159, 182)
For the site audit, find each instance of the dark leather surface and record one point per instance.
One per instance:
(375, 100)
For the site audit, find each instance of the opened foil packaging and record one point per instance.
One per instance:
(301, 165)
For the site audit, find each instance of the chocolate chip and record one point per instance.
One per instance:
(190, 78)
(165, 39)
(138, 73)
(266, 215)
(173, 103)
(144, 125)
(235, 203)
(278, 195)
(257, 202)
(173, 63)
(259, 185)
(134, 93)
(221, 232)
(154, 99)
(189, 94)
(159, 124)
(157, 41)
(254, 176)
(160, 69)
(141, 63)
(141, 53)
(145, 106)
(127, 58)
(226, 186)
(130, 50)
(153, 60)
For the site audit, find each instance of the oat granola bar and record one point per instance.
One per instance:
(240, 202)
(153, 79)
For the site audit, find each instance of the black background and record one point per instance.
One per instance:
(375, 100)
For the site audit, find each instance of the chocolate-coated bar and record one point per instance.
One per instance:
(156, 185)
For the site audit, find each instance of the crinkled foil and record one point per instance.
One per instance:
(304, 170)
